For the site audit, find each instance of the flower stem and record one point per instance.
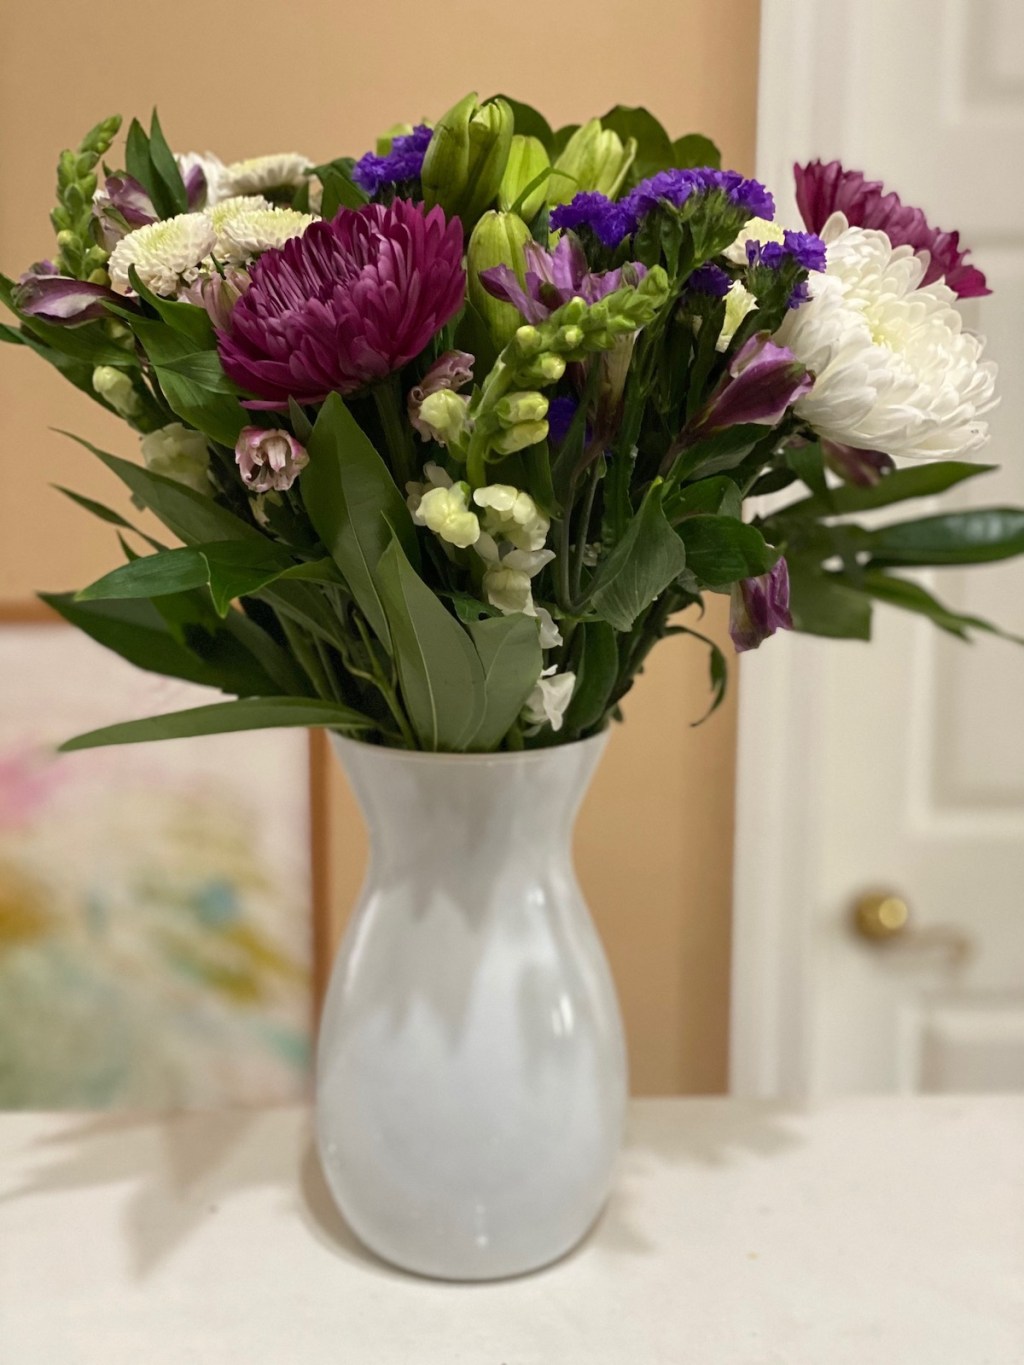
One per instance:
(397, 432)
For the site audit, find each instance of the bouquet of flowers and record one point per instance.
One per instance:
(448, 436)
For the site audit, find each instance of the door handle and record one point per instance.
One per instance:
(883, 918)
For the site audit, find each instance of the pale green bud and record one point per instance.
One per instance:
(519, 437)
(498, 239)
(530, 406)
(596, 159)
(527, 159)
(467, 156)
(569, 338)
(115, 387)
(444, 414)
(528, 340)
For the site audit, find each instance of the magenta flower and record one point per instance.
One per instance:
(346, 304)
(269, 460)
(762, 383)
(822, 190)
(759, 607)
(553, 278)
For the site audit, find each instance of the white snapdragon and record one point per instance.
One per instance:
(894, 368)
(116, 388)
(507, 582)
(178, 453)
(547, 703)
(513, 515)
(442, 506)
(165, 254)
(282, 170)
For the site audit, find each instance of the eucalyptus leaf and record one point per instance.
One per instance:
(644, 562)
(439, 670)
(510, 654)
(252, 713)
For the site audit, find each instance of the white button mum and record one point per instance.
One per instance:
(279, 171)
(165, 254)
(894, 368)
(249, 224)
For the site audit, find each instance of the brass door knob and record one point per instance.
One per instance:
(883, 917)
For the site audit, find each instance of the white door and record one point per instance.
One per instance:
(898, 766)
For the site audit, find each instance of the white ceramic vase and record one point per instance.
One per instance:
(471, 1074)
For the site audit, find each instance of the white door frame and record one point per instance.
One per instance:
(799, 106)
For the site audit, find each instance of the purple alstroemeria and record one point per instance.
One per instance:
(124, 204)
(62, 300)
(826, 188)
(552, 278)
(865, 468)
(402, 163)
(762, 383)
(759, 607)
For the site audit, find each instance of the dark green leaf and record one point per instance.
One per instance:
(509, 650)
(808, 463)
(166, 168)
(86, 342)
(188, 319)
(529, 122)
(439, 670)
(136, 155)
(597, 669)
(252, 713)
(193, 382)
(560, 138)
(822, 604)
(920, 481)
(339, 191)
(722, 550)
(654, 146)
(978, 536)
(107, 514)
(355, 506)
(301, 425)
(717, 495)
(644, 562)
(694, 149)
(718, 670)
(899, 592)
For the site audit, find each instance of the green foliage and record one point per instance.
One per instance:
(596, 665)
(529, 122)
(510, 655)
(646, 560)
(694, 149)
(654, 150)
(721, 550)
(149, 160)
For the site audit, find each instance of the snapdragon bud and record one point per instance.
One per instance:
(520, 437)
(443, 416)
(116, 388)
(467, 156)
(521, 407)
(596, 158)
(527, 159)
(497, 239)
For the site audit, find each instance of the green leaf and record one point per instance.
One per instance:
(644, 562)
(717, 495)
(808, 463)
(920, 481)
(301, 425)
(165, 167)
(718, 670)
(597, 669)
(86, 342)
(193, 517)
(137, 632)
(193, 382)
(339, 191)
(694, 149)
(823, 604)
(136, 156)
(188, 319)
(979, 536)
(230, 569)
(654, 146)
(439, 670)
(252, 713)
(560, 138)
(529, 122)
(107, 514)
(510, 653)
(355, 506)
(899, 592)
(722, 550)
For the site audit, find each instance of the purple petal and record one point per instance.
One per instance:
(59, 299)
(759, 607)
(763, 381)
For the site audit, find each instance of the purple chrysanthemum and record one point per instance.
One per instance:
(403, 162)
(609, 221)
(676, 187)
(824, 189)
(346, 304)
(552, 278)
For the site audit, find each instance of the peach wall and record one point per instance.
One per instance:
(249, 76)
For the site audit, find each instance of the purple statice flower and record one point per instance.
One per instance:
(824, 189)
(675, 187)
(759, 607)
(805, 249)
(561, 411)
(762, 383)
(403, 162)
(554, 277)
(710, 279)
(609, 222)
(346, 304)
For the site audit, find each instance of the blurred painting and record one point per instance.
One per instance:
(155, 923)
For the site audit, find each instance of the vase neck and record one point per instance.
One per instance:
(432, 808)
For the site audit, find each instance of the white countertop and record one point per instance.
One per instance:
(866, 1232)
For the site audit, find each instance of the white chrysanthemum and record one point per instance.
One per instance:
(894, 368)
(247, 225)
(165, 254)
(282, 170)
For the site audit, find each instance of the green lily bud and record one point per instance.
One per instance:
(521, 407)
(466, 159)
(498, 239)
(596, 159)
(527, 159)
